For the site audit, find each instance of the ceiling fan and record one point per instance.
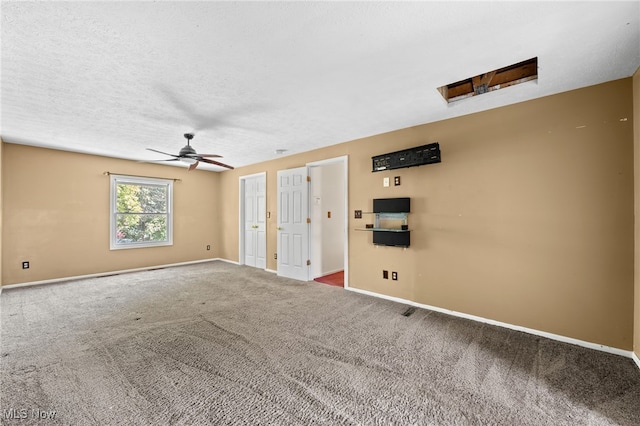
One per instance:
(189, 155)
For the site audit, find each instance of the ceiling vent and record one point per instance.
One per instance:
(492, 80)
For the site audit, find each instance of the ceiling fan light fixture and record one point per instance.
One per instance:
(188, 160)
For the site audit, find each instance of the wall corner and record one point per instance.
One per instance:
(1, 208)
(636, 182)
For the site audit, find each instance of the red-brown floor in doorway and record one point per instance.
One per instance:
(336, 279)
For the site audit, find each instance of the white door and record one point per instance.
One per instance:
(255, 235)
(293, 227)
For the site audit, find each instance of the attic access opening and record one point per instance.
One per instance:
(490, 81)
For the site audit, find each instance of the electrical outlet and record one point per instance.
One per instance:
(275, 256)
(208, 247)
(25, 265)
(396, 180)
(385, 275)
(394, 276)
(358, 214)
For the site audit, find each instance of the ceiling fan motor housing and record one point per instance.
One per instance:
(186, 151)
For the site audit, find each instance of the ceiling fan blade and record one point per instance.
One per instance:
(193, 166)
(210, 155)
(160, 152)
(204, 160)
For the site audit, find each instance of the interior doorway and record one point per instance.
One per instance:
(328, 209)
(313, 220)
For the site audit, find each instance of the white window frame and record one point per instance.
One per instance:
(134, 180)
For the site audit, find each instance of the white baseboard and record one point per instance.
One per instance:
(603, 348)
(635, 358)
(107, 273)
(325, 273)
(241, 264)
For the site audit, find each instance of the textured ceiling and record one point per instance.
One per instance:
(114, 78)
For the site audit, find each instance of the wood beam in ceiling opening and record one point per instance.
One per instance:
(492, 80)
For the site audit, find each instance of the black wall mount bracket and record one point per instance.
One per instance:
(418, 156)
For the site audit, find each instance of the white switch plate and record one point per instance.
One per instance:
(385, 182)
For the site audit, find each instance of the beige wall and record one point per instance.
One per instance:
(528, 219)
(56, 215)
(636, 138)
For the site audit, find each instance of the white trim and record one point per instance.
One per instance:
(253, 175)
(635, 358)
(272, 271)
(140, 181)
(325, 273)
(328, 161)
(108, 273)
(345, 161)
(551, 336)
(241, 183)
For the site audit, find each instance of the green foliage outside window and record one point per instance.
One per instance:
(141, 213)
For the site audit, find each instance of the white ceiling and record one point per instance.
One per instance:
(113, 78)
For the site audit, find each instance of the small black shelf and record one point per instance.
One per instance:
(397, 213)
(392, 238)
(383, 229)
(392, 205)
(391, 216)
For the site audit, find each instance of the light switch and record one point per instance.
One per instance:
(385, 182)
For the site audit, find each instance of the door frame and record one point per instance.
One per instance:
(345, 162)
(241, 185)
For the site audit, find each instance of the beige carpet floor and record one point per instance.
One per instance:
(217, 343)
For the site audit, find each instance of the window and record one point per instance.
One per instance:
(141, 212)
